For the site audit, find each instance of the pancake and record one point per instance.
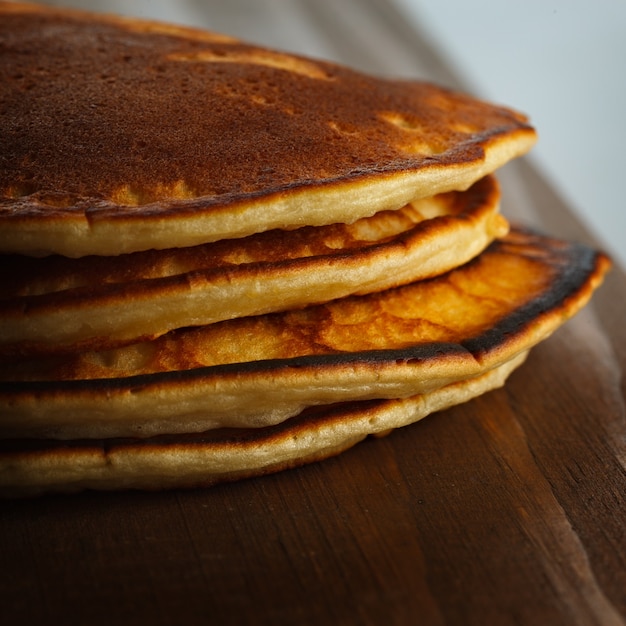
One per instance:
(58, 304)
(29, 468)
(122, 135)
(219, 260)
(259, 371)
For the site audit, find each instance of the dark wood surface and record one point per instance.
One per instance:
(510, 509)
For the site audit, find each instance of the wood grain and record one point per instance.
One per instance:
(510, 509)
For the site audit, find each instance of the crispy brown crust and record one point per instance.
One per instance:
(160, 126)
(222, 160)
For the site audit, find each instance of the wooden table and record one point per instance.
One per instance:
(510, 509)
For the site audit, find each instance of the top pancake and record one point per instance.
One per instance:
(123, 135)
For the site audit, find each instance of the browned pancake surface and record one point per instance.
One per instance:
(108, 119)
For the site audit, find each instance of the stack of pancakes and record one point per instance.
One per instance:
(220, 260)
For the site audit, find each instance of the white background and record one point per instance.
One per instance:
(564, 63)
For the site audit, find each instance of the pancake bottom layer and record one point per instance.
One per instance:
(34, 467)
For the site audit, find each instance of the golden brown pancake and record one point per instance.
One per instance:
(259, 371)
(34, 467)
(56, 304)
(220, 260)
(121, 135)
